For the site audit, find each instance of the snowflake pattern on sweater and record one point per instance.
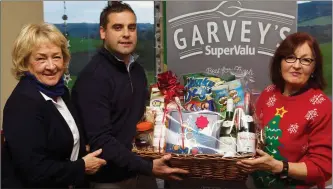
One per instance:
(270, 88)
(317, 99)
(311, 114)
(293, 128)
(306, 134)
(271, 101)
(305, 147)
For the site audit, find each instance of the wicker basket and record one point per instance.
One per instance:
(204, 166)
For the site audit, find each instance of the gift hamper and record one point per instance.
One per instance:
(207, 125)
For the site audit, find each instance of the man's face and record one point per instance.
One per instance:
(120, 34)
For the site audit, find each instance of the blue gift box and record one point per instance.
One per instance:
(200, 131)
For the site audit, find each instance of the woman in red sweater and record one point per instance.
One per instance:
(297, 116)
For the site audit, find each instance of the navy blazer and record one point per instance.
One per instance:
(39, 141)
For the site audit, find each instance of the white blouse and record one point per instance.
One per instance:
(62, 108)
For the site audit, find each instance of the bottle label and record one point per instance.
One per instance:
(247, 118)
(227, 127)
(227, 123)
(227, 144)
(246, 142)
(230, 105)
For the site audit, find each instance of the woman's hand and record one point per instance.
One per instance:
(92, 162)
(264, 163)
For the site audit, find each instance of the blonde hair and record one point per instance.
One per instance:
(30, 38)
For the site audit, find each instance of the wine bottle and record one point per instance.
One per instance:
(246, 138)
(228, 131)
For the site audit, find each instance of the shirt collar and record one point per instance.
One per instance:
(133, 58)
(48, 98)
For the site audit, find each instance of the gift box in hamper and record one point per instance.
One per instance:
(192, 132)
(209, 147)
(204, 142)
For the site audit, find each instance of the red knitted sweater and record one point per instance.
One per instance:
(299, 130)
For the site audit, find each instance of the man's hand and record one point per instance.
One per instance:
(163, 171)
(87, 148)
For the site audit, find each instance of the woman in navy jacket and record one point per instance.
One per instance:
(43, 140)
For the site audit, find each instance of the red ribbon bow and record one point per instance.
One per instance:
(169, 86)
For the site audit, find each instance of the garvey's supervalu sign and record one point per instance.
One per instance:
(230, 36)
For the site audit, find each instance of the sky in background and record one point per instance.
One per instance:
(88, 11)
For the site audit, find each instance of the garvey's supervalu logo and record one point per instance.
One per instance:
(220, 30)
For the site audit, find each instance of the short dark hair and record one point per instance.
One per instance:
(116, 7)
(288, 47)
